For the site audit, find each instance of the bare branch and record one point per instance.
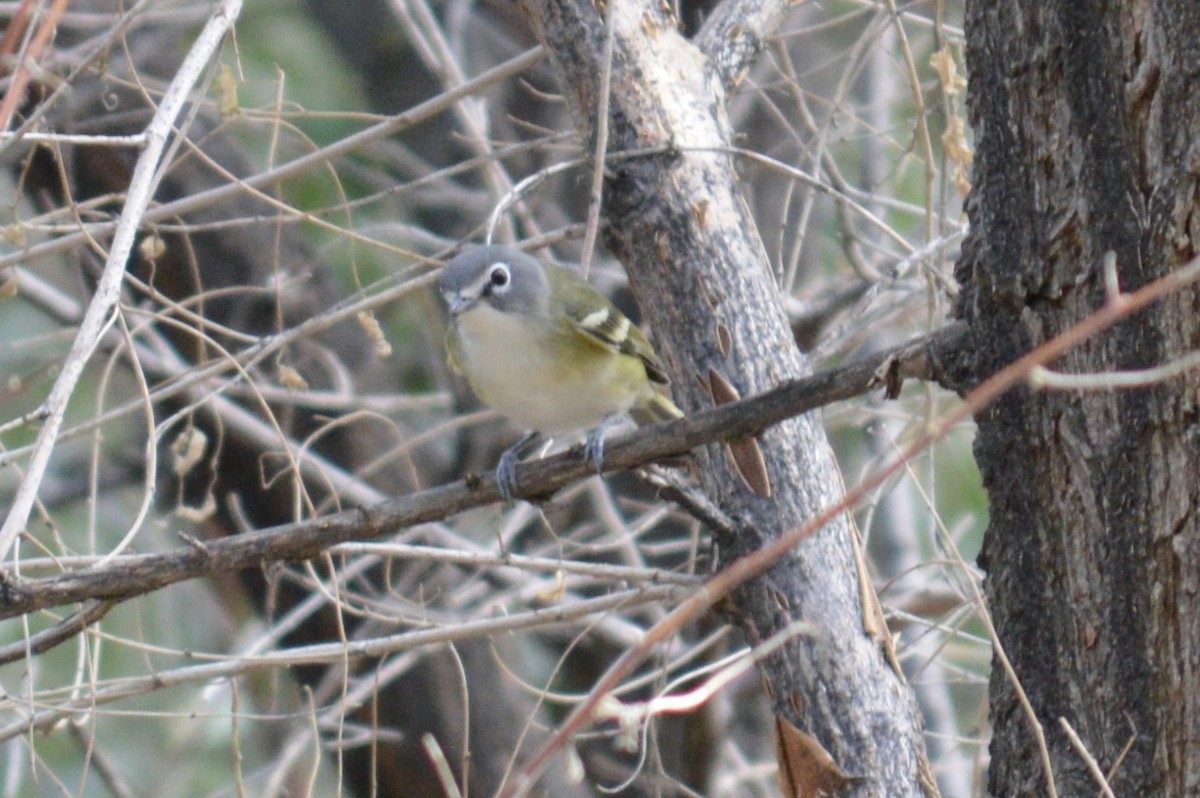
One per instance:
(134, 575)
(735, 33)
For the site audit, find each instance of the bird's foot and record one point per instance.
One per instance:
(506, 469)
(506, 475)
(593, 450)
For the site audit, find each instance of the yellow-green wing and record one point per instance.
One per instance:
(605, 325)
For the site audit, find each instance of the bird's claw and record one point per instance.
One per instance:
(506, 475)
(593, 450)
(506, 469)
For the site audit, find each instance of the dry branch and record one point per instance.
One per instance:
(134, 575)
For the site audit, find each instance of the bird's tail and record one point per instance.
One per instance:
(657, 407)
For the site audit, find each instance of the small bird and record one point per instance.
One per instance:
(540, 345)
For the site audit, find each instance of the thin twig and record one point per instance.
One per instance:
(62, 631)
(99, 313)
(339, 651)
(300, 166)
(600, 151)
(1088, 760)
(1044, 378)
(27, 57)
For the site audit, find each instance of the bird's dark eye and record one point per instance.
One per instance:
(499, 276)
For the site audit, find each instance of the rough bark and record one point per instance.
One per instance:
(676, 219)
(1086, 118)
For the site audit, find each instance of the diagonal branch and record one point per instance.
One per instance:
(136, 575)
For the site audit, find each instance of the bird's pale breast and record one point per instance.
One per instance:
(543, 377)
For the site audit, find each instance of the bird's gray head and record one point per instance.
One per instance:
(505, 278)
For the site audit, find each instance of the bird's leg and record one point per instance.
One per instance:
(593, 450)
(506, 471)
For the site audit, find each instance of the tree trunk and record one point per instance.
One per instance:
(676, 219)
(1086, 119)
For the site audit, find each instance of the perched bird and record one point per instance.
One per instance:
(540, 345)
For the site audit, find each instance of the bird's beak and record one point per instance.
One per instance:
(459, 304)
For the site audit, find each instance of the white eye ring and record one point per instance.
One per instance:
(499, 278)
